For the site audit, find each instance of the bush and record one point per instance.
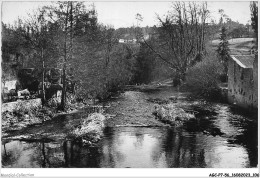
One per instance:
(203, 78)
(97, 76)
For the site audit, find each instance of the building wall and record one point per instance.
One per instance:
(255, 76)
(241, 85)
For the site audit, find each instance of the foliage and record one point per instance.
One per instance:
(238, 32)
(254, 18)
(145, 64)
(254, 15)
(148, 67)
(96, 75)
(223, 50)
(11, 52)
(234, 29)
(10, 43)
(67, 35)
(203, 78)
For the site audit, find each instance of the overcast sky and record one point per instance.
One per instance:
(122, 14)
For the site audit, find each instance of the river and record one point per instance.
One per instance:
(194, 145)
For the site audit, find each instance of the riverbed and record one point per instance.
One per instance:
(134, 138)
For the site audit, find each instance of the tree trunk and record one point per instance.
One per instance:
(43, 76)
(179, 77)
(63, 96)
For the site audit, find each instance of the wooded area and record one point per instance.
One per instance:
(67, 36)
(77, 93)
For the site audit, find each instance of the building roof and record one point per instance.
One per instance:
(244, 61)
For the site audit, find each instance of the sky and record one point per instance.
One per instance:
(122, 14)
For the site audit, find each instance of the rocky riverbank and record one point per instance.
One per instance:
(64, 141)
(24, 116)
(84, 123)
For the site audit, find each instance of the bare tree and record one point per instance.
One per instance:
(181, 37)
(69, 15)
(37, 36)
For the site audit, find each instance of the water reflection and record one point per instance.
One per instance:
(222, 138)
(131, 147)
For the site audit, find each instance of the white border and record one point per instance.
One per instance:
(122, 172)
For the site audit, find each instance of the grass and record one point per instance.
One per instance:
(234, 41)
(245, 44)
(238, 46)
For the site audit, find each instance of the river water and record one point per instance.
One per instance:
(195, 145)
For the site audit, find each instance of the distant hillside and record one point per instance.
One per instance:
(131, 32)
(238, 45)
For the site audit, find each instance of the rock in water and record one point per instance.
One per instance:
(172, 114)
(157, 100)
(91, 129)
(213, 131)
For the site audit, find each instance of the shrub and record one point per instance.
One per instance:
(203, 78)
(99, 72)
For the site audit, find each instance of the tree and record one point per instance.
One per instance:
(238, 32)
(254, 18)
(222, 17)
(102, 65)
(73, 21)
(87, 52)
(223, 49)
(64, 15)
(11, 53)
(145, 64)
(37, 38)
(11, 43)
(181, 37)
(107, 38)
(221, 12)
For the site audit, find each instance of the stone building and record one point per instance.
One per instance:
(242, 81)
